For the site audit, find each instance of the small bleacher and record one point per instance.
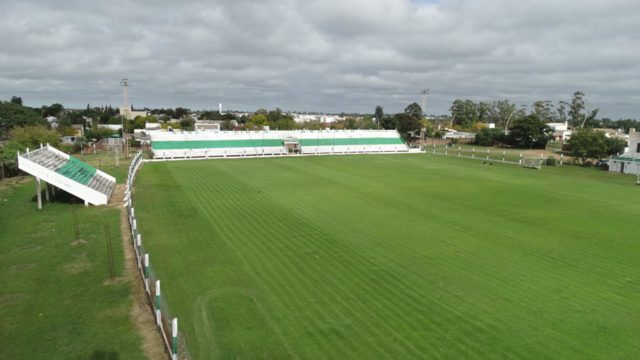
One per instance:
(68, 173)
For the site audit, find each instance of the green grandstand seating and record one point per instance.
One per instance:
(77, 170)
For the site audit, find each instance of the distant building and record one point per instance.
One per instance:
(78, 130)
(207, 125)
(459, 135)
(326, 119)
(114, 127)
(68, 140)
(561, 131)
(629, 162)
(614, 133)
(131, 114)
(53, 121)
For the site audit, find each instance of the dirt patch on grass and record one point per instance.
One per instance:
(141, 314)
(78, 242)
(21, 267)
(117, 195)
(79, 264)
(40, 234)
(115, 281)
(12, 182)
(29, 247)
(12, 299)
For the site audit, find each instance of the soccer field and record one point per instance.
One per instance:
(394, 257)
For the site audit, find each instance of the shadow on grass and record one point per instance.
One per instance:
(60, 196)
(104, 355)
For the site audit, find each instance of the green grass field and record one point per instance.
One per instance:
(56, 299)
(394, 257)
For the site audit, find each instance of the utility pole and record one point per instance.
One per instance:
(125, 110)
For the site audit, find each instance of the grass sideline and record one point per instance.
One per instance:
(56, 299)
(414, 256)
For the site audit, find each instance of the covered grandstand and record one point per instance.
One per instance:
(169, 145)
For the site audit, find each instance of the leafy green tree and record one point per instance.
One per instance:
(414, 110)
(53, 110)
(181, 112)
(490, 137)
(464, 113)
(187, 123)
(21, 138)
(98, 133)
(576, 117)
(33, 136)
(16, 100)
(379, 114)
(15, 115)
(543, 109)
(408, 126)
(561, 111)
(284, 123)
(529, 132)
(274, 115)
(615, 146)
(504, 111)
(587, 144)
(257, 121)
(9, 158)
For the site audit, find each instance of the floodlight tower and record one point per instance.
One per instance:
(126, 110)
(423, 100)
(125, 92)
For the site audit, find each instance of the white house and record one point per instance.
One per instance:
(53, 121)
(629, 162)
(560, 131)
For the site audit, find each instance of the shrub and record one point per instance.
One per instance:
(551, 161)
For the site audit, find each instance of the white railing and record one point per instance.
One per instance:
(167, 324)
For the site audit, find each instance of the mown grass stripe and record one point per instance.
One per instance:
(439, 254)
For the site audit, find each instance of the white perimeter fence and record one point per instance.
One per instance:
(515, 157)
(168, 324)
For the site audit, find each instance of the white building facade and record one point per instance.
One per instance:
(629, 162)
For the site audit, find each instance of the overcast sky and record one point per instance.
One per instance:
(324, 55)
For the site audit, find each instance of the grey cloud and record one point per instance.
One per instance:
(324, 55)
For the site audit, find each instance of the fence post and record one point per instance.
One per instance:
(561, 158)
(158, 311)
(146, 272)
(138, 250)
(487, 154)
(174, 340)
(459, 152)
(503, 154)
(434, 148)
(520, 161)
(473, 152)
